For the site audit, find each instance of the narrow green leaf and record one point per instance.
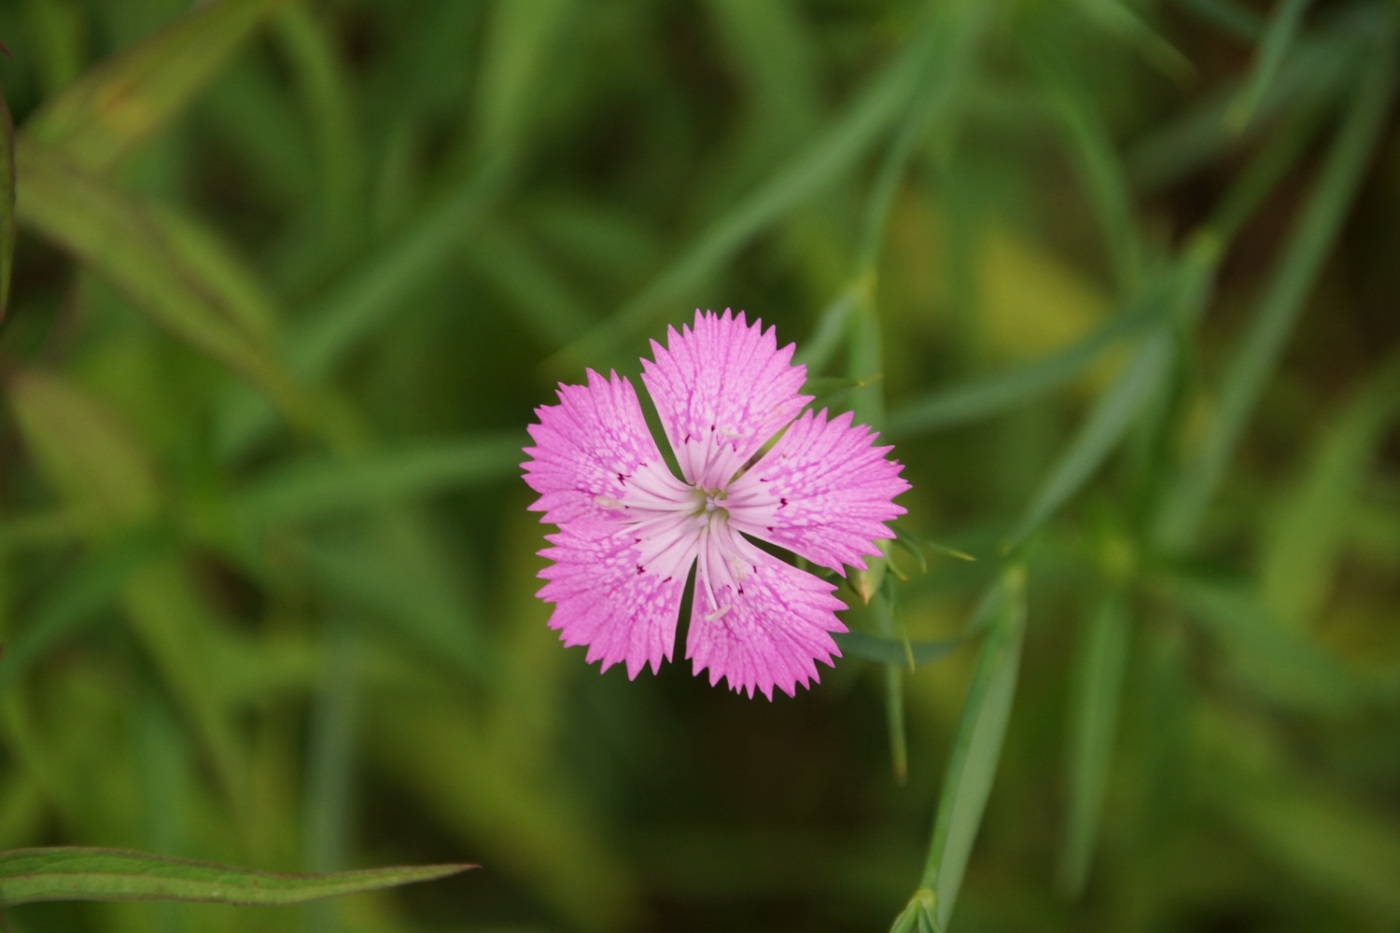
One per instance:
(1277, 40)
(1315, 72)
(332, 744)
(313, 53)
(529, 277)
(1123, 20)
(990, 395)
(1289, 286)
(117, 106)
(883, 609)
(7, 203)
(972, 764)
(94, 585)
(372, 291)
(81, 874)
(1324, 838)
(893, 652)
(1280, 662)
(1100, 433)
(1303, 545)
(832, 153)
(393, 570)
(1095, 694)
(84, 452)
(944, 75)
(313, 487)
(109, 478)
(518, 53)
(1104, 177)
(183, 280)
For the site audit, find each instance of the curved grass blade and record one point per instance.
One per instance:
(894, 652)
(1100, 433)
(973, 762)
(94, 585)
(883, 607)
(990, 395)
(7, 204)
(115, 107)
(1291, 283)
(518, 54)
(833, 152)
(83, 874)
(315, 487)
(1304, 545)
(1096, 692)
(1102, 173)
(361, 301)
(1277, 40)
(184, 281)
(1283, 664)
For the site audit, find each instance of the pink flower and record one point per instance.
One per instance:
(753, 465)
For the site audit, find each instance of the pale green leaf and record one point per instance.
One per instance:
(117, 106)
(972, 764)
(82, 874)
(183, 279)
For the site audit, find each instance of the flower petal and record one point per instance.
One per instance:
(823, 492)
(586, 449)
(604, 598)
(723, 389)
(756, 621)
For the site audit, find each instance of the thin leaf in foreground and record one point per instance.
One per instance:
(972, 764)
(68, 874)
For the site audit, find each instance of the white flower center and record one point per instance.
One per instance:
(709, 503)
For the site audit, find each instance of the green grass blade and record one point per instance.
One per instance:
(893, 652)
(7, 204)
(84, 452)
(314, 487)
(1101, 170)
(1095, 695)
(991, 395)
(332, 740)
(834, 152)
(1278, 662)
(109, 477)
(339, 165)
(1123, 20)
(1325, 839)
(883, 609)
(116, 107)
(360, 303)
(1298, 268)
(94, 585)
(518, 51)
(1105, 426)
(69, 874)
(172, 274)
(1314, 72)
(1275, 44)
(972, 763)
(1303, 546)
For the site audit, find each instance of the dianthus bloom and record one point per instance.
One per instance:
(753, 465)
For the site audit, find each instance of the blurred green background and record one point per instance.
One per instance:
(1118, 279)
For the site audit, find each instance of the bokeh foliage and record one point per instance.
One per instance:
(1117, 278)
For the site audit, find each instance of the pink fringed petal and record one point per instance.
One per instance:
(723, 389)
(823, 492)
(757, 622)
(604, 598)
(586, 448)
